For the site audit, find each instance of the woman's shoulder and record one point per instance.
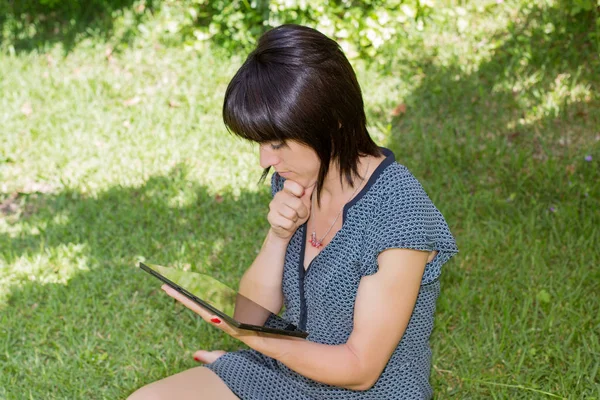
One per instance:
(397, 183)
(399, 199)
(403, 216)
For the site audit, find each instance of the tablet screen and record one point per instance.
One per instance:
(237, 307)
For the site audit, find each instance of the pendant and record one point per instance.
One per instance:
(313, 240)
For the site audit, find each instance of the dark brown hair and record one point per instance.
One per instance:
(298, 85)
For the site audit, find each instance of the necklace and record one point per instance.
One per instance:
(313, 237)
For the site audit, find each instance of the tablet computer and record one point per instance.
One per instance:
(223, 301)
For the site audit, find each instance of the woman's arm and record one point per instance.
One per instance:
(383, 307)
(262, 281)
(289, 209)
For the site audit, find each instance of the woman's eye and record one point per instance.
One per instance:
(277, 146)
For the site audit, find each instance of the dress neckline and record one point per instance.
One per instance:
(389, 159)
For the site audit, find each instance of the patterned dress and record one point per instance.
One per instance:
(391, 211)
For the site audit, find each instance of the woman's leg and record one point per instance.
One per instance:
(198, 383)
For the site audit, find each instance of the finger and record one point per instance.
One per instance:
(217, 321)
(304, 211)
(282, 222)
(206, 315)
(195, 307)
(293, 188)
(290, 200)
(289, 212)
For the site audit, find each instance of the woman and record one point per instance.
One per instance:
(354, 250)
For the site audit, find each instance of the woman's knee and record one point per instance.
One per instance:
(145, 393)
(198, 383)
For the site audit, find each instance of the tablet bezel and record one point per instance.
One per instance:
(237, 324)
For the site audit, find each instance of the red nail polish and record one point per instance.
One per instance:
(215, 320)
(196, 358)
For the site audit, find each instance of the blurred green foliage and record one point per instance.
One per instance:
(365, 29)
(361, 27)
(575, 7)
(73, 7)
(40, 24)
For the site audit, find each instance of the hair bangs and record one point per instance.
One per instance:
(251, 105)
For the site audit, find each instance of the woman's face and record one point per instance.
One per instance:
(292, 160)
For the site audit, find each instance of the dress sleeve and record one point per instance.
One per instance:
(276, 183)
(406, 218)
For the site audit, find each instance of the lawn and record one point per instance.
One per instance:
(114, 153)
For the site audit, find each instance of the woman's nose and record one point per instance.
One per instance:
(268, 157)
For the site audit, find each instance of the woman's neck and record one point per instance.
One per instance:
(336, 192)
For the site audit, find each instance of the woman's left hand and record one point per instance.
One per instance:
(251, 338)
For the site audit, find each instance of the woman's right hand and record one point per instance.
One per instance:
(289, 209)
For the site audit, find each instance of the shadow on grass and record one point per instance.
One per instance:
(32, 25)
(109, 322)
(168, 217)
(503, 118)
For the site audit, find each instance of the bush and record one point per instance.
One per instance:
(64, 8)
(585, 14)
(38, 24)
(574, 7)
(361, 27)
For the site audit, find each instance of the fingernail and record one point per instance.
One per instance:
(215, 320)
(196, 359)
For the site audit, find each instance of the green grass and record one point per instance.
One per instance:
(105, 161)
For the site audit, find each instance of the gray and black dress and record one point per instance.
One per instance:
(391, 211)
